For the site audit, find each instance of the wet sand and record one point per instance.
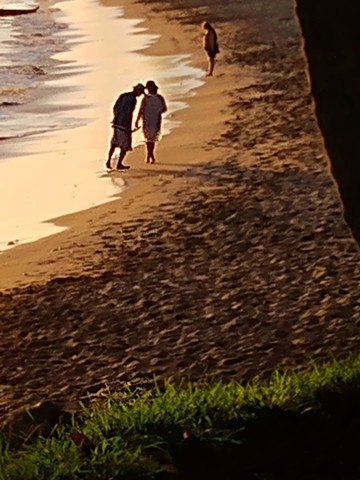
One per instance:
(229, 257)
(61, 171)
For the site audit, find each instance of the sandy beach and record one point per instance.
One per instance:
(229, 257)
(70, 103)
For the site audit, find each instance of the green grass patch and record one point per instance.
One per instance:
(290, 425)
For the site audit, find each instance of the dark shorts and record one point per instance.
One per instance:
(212, 53)
(121, 138)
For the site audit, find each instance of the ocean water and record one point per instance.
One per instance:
(61, 70)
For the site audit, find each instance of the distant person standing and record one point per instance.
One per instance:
(122, 124)
(150, 114)
(210, 45)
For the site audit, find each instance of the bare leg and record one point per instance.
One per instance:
(211, 66)
(119, 165)
(150, 152)
(148, 157)
(110, 154)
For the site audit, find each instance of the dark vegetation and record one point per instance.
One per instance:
(332, 46)
(303, 425)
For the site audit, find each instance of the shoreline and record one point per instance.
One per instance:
(229, 259)
(43, 259)
(92, 82)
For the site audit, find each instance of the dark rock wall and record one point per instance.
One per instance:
(332, 45)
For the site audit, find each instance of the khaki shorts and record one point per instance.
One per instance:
(121, 138)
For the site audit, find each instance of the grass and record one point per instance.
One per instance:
(292, 425)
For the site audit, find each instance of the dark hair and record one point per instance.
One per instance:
(140, 87)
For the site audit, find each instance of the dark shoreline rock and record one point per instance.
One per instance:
(17, 10)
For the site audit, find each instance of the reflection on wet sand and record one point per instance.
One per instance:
(55, 172)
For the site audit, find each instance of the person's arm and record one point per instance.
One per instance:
(140, 114)
(116, 108)
(117, 104)
(205, 40)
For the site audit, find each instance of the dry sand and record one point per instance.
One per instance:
(229, 257)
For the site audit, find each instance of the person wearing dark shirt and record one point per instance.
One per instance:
(122, 125)
(210, 44)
